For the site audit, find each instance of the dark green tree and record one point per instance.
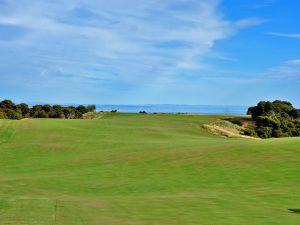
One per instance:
(275, 119)
(24, 109)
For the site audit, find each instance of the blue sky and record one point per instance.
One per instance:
(228, 52)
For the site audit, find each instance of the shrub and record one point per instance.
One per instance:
(11, 114)
(42, 114)
(264, 132)
(2, 115)
(276, 119)
(250, 132)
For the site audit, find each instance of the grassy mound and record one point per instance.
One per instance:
(225, 128)
(93, 115)
(229, 129)
(144, 169)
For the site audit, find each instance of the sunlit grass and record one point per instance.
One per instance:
(143, 169)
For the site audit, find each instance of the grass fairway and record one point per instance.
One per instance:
(143, 169)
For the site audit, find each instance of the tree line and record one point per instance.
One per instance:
(10, 110)
(275, 119)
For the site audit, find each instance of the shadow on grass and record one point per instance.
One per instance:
(294, 210)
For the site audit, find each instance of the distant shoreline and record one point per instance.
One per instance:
(161, 108)
(174, 109)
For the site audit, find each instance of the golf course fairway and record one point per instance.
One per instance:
(137, 169)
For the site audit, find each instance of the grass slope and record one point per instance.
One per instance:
(143, 169)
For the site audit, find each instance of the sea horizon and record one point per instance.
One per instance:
(176, 108)
(163, 108)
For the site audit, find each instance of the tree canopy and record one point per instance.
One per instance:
(275, 119)
(10, 110)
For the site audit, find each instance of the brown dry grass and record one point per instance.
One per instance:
(225, 132)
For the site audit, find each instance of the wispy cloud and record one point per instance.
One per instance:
(293, 62)
(133, 39)
(286, 70)
(264, 4)
(250, 22)
(285, 35)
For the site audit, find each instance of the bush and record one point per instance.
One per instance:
(2, 115)
(264, 132)
(42, 114)
(275, 119)
(11, 114)
(250, 132)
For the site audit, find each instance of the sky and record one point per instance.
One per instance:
(207, 52)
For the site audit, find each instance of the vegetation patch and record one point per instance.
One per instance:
(93, 115)
(147, 170)
(136, 169)
(275, 119)
(10, 110)
(226, 128)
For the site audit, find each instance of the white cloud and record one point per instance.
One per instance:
(250, 22)
(121, 37)
(285, 35)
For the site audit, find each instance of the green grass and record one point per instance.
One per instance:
(143, 169)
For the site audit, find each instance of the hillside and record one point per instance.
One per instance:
(144, 169)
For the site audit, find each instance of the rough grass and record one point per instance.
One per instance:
(94, 115)
(144, 169)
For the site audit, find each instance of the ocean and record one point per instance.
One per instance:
(189, 109)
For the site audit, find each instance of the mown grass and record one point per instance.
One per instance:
(144, 169)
